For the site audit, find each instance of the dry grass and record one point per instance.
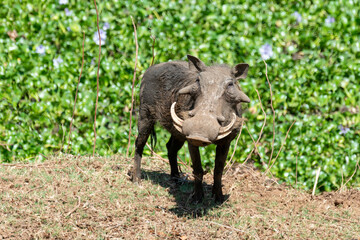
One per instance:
(92, 198)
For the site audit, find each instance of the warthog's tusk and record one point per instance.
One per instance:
(178, 122)
(224, 131)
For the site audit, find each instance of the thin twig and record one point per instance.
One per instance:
(30, 165)
(163, 159)
(296, 170)
(287, 133)
(255, 147)
(6, 146)
(33, 189)
(356, 167)
(262, 128)
(63, 138)
(341, 219)
(316, 180)
(225, 226)
(232, 155)
(44, 156)
(157, 155)
(248, 157)
(133, 85)
(272, 108)
(342, 179)
(75, 208)
(76, 93)
(153, 48)
(97, 76)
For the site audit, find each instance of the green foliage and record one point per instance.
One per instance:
(314, 71)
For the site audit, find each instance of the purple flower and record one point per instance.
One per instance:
(63, 2)
(106, 26)
(329, 20)
(40, 49)
(266, 51)
(57, 61)
(102, 36)
(69, 29)
(68, 12)
(343, 130)
(298, 17)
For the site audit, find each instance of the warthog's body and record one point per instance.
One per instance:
(196, 103)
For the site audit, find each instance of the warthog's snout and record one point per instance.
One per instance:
(201, 129)
(198, 141)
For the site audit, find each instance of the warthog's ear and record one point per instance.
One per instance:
(195, 63)
(240, 71)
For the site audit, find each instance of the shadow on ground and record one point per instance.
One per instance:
(182, 193)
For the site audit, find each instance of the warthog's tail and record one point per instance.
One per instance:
(153, 140)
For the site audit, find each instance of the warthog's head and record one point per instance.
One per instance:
(216, 96)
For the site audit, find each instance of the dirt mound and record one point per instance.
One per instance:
(90, 198)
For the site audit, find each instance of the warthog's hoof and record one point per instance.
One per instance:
(197, 197)
(217, 193)
(134, 176)
(219, 198)
(176, 178)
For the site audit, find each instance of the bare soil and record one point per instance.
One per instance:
(71, 197)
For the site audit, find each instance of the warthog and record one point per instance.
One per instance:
(195, 103)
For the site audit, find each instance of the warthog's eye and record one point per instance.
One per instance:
(231, 92)
(230, 84)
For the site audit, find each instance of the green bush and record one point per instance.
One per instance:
(314, 71)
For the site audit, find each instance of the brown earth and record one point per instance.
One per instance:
(72, 197)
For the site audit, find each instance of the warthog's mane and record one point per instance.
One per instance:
(219, 67)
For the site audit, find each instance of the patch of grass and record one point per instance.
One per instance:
(89, 199)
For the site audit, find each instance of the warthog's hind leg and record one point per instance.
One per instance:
(173, 146)
(145, 127)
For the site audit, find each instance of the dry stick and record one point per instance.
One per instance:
(261, 131)
(316, 181)
(232, 155)
(6, 146)
(163, 159)
(268, 170)
(272, 108)
(44, 156)
(225, 226)
(342, 179)
(63, 138)
(153, 49)
(356, 167)
(247, 158)
(75, 208)
(157, 155)
(133, 84)
(97, 76)
(296, 170)
(76, 93)
(255, 146)
(262, 128)
(33, 189)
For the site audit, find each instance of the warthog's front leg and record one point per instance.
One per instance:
(221, 154)
(198, 172)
